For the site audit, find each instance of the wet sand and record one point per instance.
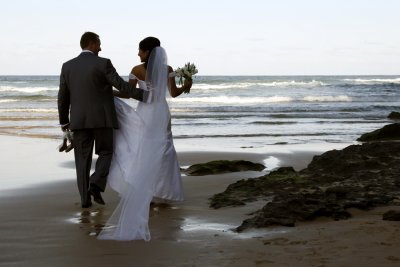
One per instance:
(42, 223)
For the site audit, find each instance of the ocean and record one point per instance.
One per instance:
(233, 113)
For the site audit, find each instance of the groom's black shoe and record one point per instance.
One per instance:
(95, 192)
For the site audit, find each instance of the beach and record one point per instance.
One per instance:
(43, 224)
(288, 139)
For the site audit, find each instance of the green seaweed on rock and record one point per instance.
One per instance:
(223, 166)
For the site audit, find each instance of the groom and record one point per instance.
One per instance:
(86, 106)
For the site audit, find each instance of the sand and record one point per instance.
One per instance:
(42, 223)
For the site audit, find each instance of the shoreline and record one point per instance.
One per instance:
(43, 224)
(25, 155)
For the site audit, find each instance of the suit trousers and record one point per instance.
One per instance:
(84, 140)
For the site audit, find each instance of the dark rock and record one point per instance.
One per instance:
(394, 115)
(391, 215)
(283, 171)
(260, 222)
(366, 158)
(388, 132)
(223, 166)
(247, 190)
(359, 176)
(222, 200)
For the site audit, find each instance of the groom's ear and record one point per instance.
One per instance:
(94, 46)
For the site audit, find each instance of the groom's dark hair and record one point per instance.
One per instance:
(87, 38)
(147, 44)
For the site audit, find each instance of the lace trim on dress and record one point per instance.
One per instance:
(132, 77)
(148, 86)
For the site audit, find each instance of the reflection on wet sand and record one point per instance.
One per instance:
(90, 220)
(158, 207)
(93, 220)
(191, 224)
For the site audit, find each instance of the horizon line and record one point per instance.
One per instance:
(247, 75)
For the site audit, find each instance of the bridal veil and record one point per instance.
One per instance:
(140, 147)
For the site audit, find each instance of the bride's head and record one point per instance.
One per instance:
(145, 47)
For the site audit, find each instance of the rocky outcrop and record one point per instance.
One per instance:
(394, 115)
(246, 190)
(388, 132)
(223, 166)
(391, 215)
(359, 176)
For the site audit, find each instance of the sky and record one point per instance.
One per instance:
(222, 37)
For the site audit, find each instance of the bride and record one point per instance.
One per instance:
(144, 165)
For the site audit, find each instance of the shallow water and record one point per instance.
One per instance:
(240, 113)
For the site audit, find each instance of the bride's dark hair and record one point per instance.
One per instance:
(147, 44)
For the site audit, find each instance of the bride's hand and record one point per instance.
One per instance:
(187, 84)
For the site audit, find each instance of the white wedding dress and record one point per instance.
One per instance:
(144, 164)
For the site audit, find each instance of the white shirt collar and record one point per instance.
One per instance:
(85, 51)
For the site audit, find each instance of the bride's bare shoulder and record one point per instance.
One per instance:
(139, 71)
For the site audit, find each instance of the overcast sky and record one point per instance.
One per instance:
(222, 37)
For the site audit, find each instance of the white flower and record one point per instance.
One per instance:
(186, 72)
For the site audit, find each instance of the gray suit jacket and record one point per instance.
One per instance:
(86, 92)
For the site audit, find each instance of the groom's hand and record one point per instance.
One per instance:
(65, 127)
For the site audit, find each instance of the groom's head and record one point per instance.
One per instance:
(91, 41)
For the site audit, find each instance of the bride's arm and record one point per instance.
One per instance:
(175, 91)
(132, 81)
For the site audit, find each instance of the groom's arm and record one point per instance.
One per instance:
(124, 87)
(63, 100)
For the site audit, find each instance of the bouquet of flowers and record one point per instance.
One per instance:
(186, 72)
